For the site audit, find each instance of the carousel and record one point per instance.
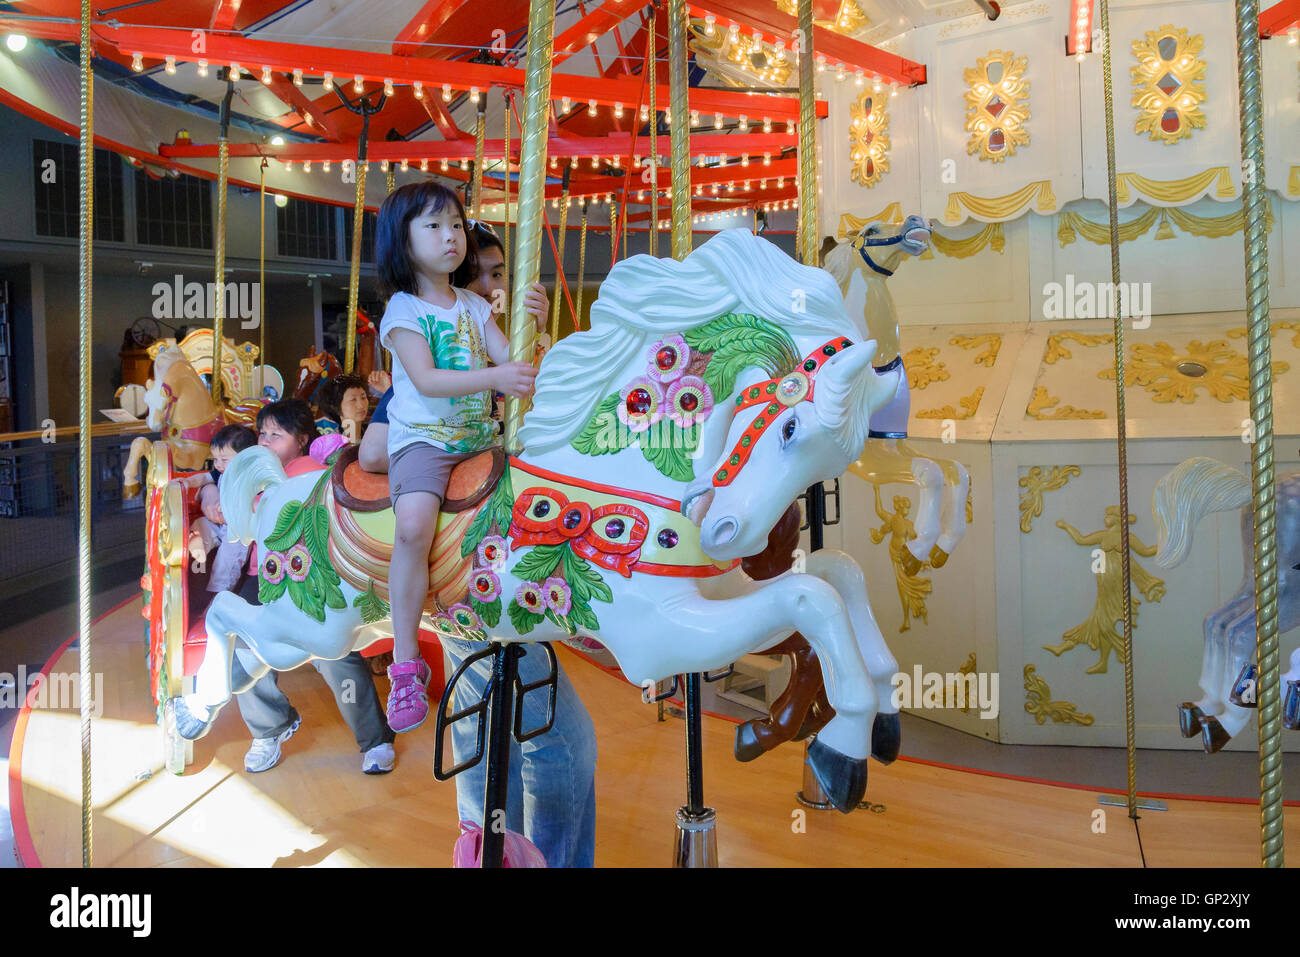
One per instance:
(772, 510)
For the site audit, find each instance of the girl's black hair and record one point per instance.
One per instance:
(234, 437)
(484, 239)
(331, 398)
(295, 417)
(396, 272)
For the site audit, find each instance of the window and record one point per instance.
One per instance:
(367, 236)
(57, 170)
(173, 212)
(307, 230)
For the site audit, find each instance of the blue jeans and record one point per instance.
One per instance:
(552, 793)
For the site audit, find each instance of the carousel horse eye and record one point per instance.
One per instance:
(571, 519)
(787, 431)
(540, 509)
(667, 537)
(614, 527)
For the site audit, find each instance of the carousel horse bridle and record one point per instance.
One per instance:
(866, 257)
(774, 395)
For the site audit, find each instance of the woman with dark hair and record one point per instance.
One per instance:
(343, 399)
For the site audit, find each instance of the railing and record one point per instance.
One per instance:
(39, 509)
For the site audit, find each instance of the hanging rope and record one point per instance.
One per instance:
(807, 241)
(505, 224)
(654, 136)
(680, 129)
(223, 180)
(613, 229)
(87, 201)
(582, 268)
(1254, 204)
(390, 179)
(480, 130)
(625, 193)
(261, 282)
(363, 108)
(1121, 425)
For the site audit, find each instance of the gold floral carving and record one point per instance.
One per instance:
(1036, 485)
(990, 339)
(1164, 372)
(1099, 631)
(869, 139)
(969, 403)
(990, 235)
(922, 369)
(1039, 703)
(1055, 350)
(911, 588)
(1170, 191)
(970, 501)
(742, 62)
(1042, 401)
(997, 105)
(1167, 87)
(1274, 327)
(1001, 207)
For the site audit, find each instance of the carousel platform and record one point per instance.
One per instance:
(317, 808)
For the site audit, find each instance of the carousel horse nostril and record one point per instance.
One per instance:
(722, 531)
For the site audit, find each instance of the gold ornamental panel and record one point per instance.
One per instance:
(869, 139)
(997, 105)
(1167, 92)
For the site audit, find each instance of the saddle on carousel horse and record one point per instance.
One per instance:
(363, 525)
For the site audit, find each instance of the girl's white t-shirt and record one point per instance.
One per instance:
(457, 340)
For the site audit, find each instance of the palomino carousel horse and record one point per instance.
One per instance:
(1194, 489)
(861, 266)
(664, 443)
(181, 408)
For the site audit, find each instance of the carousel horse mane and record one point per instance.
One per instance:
(165, 359)
(735, 271)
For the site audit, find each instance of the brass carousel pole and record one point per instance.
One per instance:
(87, 200)
(613, 230)
(532, 186)
(807, 244)
(582, 268)
(559, 260)
(261, 282)
(1255, 233)
(652, 80)
(363, 108)
(219, 281)
(480, 130)
(680, 130)
(505, 216)
(1121, 428)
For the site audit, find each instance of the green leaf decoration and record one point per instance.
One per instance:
(539, 563)
(316, 533)
(372, 607)
(523, 619)
(737, 341)
(334, 597)
(268, 592)
(583, 617)
(602, 433)
(286, 530)
(489, 612)
(675, 463)
(560, 622)
(583, 580)
(497, 512)
(308, 601)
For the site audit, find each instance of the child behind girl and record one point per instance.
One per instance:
(441, 339)
(209, 529)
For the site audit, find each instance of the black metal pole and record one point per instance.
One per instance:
(694, 747)
(816, 514)
(505, 669)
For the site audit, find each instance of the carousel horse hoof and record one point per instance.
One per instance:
(1189, 719)
(1245, 689)
(1213, 737)
(1291, 706)
(911, 564)
(844, 779)
(938, 557)
(886, 737)
(747, 745)
(188, 725)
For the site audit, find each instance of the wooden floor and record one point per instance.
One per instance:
(317, 808)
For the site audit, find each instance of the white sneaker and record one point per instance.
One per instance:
(379, 759)
(265, 752)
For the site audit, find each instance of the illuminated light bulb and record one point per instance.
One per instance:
(618, 164)
(839, 71)
(325, 166)
(16, 42)
(767, 124)
(405, 165)
(573, 162)
(731, 187)
(641, 195)
(733, 32)
(595, 162)
(858, 77)
(171, 64)
(645, 112)
(1293, 36)
(388, 86)
(473, 94)
(306, 166)
(609, 197)
(714, 189)
(778, 50)
(235, 72)
(554, 162)
(821, 63)
(695, 117)
(288, 166)
(744, 160)
(424, 165)
(383, 166)
(266, 75)
(668, 117)
(780, 182)
(747, 182)
(565, 104)
(757, 36)
(137, 62)
(591, 108)
(717, 121)
(443, 166)
(446, 93)
(203, 68)
(893, 89)
(358, 83)
(569, 203)
(703, 161)
(767, 159)
(876, 85)
(277, 140)
(709, 21)
(327, 80)
(281, 200)
(297, 77)
(744, 123)
(618, 111)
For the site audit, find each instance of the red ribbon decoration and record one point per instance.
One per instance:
(572, 522)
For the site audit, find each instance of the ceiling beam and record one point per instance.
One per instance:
(320, 122)
(590, 28)
(1278, 18)
(223, 15)
(421, 27)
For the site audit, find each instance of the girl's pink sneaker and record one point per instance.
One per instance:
(408, 702)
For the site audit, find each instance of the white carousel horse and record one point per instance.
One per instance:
(589, 532)
(180, 407)
(1193, 489)
(861, 266)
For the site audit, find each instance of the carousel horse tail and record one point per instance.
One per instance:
(1192, 490)
(249, 474)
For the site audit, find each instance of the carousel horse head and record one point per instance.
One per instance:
(172, 372)
(881, 247)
